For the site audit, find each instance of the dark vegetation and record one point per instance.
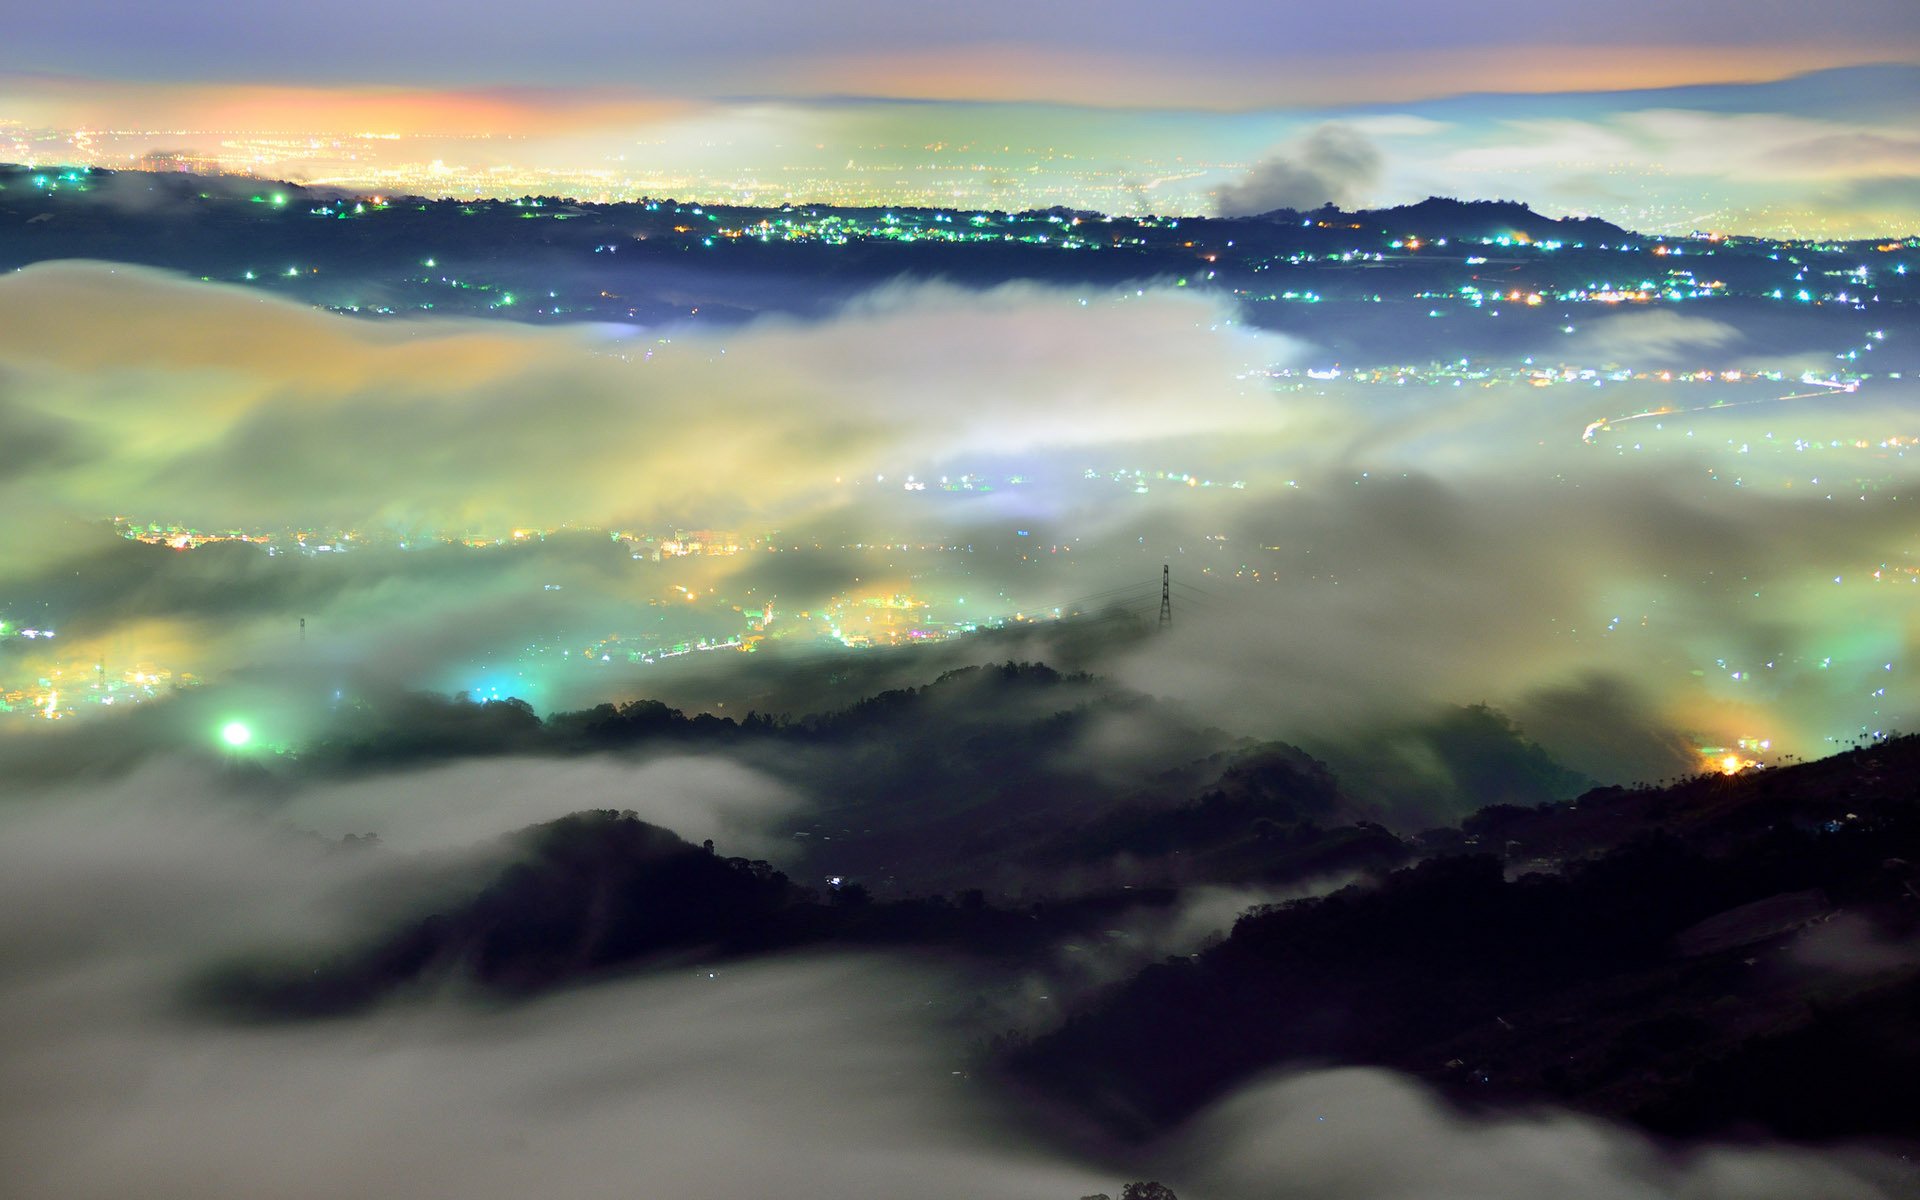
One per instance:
(988, 777)
(599, 892)
(1451, 765)
(1652, 977)
(1726, 954)
(1001, 777)
(1258, 822)
(666, 260)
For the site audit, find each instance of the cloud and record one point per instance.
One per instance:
(214, 405)
(1777, 155)
(1365, 1133)
(1655, 338)
(1606, 727)
(1849, 944)
(1679, 142)
(810, 1076)
(171, 401)
(442, 807)
(1859, 152)
(1396, 125)
(1395, 551)
(1406, 561)
(1898, 193)
(1334, 164)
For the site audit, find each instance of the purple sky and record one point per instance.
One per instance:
(1590, 110)
(821, 47)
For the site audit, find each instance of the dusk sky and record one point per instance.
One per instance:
(1122, 107)
(1235, 55)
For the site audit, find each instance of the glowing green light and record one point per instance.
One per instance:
(236, 734)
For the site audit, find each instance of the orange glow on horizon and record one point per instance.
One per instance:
(1016, 73)
(340, 111)
(998, 72)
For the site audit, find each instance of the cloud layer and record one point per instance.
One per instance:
(1334, 164)
(1718, 561)
(217, 406)
(1805, 138)
(823, 1076)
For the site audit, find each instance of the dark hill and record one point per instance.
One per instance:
(1748, 957)
(1457, 220)
(1492, 218)
(598, 893)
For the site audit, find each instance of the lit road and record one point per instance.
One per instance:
(1588, 435)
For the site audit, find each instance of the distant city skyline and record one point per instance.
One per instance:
(1750, 118)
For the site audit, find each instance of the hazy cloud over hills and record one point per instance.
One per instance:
(822, 1076)
(1393, 547)
(1334, 164)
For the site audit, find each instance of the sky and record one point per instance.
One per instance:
(1237, 54)
(1666, 119)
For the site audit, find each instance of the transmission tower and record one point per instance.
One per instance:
(1166, 595)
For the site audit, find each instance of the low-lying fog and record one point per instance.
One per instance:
(1685, 578)
(821, 1075)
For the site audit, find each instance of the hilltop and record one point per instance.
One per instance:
(659, 260)
(1723, 955)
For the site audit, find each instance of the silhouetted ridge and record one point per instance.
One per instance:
(1445, 217)
(602, 892)
(1644, 981)
(1491, 218)
(586, 893)
(1258, 821)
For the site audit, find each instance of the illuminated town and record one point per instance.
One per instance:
(936, 594)
(1436, 263)
(332, 248)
